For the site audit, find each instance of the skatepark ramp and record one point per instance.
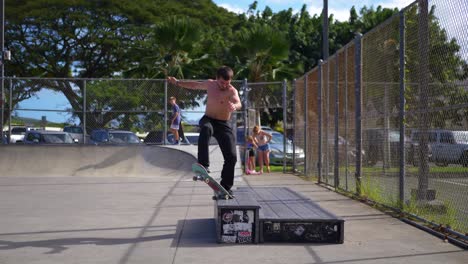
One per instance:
(115, 161)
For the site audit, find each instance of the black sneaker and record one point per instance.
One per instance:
(222, 197)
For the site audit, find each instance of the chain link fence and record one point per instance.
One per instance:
(392, 120)
(142, 106)
(137, 105)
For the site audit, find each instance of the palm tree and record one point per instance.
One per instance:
(173, 49)
(261, 53)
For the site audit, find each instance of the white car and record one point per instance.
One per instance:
(17, 133)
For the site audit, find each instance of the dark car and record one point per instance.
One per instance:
(154, 137)
(373, 143)
(5, 138)
(48, 137)
(109, 136)
(191, 138)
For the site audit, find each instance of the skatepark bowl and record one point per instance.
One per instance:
(139, 204)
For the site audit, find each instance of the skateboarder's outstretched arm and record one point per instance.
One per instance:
(188, 84)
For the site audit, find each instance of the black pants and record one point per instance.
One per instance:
(181, 132)
(224, 134)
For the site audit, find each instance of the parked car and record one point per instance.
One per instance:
(154, 137)
(445, 147)
(48, 137)
(346, 150)
(76, 132)
(373, 141)
(276, 147)
(109, 136)
(192, 138)
(17, 133)
(5, 138)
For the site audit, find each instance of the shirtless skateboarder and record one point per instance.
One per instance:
(222, 100)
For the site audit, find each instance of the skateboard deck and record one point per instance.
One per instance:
(202, 175)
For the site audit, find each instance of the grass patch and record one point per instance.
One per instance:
(448, 170)
(275, 168)
(446, 214)
(413, 170)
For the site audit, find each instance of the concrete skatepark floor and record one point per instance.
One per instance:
(140, 205)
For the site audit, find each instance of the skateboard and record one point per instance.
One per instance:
(202, 175)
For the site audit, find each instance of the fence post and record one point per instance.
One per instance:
(337, 107)
(10, 101)
(285, 127)
(2, 102)
(294, 127)
(320, 108)
(358, 84)
(402, 108)
(345, 117)
(83, 124)
(2, 61)
(306, 152)
(423, 77)
(246, 108)
(165, 113)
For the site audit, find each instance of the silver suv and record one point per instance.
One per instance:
(446, 146)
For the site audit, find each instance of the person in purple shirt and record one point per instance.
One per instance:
(175, 119)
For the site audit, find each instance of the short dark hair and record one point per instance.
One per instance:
(225, 72)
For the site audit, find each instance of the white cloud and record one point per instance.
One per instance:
(338, 14)
(340, 8)
(394, 3)
(232, 8)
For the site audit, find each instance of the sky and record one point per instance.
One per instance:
(339, 8)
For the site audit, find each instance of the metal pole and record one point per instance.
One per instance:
(246, 120)
(246, 107)
(165, 113)
(358, 83)
(337, 131)
(306, 149)
(402, 108)
(320, 107)
(346, 116)
(10, 101)
(84, 112)
(2, 61)
(285, 127)
(2, 102)
(294, 127)
(423, 45)
(327, 122)
(325, 30)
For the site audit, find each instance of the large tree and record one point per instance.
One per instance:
(63, 39)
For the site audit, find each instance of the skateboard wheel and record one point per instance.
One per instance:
(195, 178)
(207, 180)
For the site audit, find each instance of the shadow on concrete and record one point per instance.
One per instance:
(59, 245)
(168, 228)
(195, 233)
